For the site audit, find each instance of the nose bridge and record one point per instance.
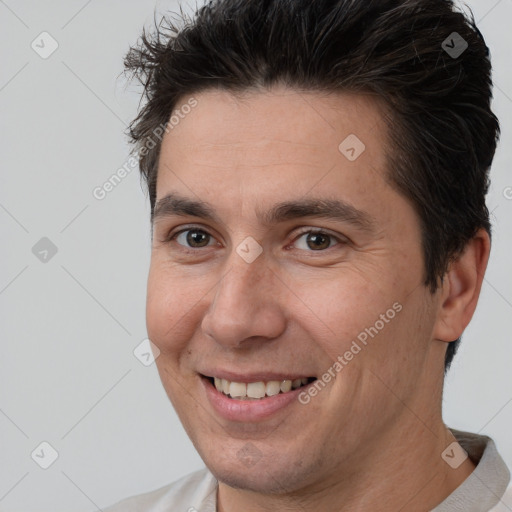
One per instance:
(245, 303)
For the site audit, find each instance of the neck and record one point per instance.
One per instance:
(403, 469)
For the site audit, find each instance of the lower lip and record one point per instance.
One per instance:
(249, 410)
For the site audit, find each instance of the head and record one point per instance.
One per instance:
(361, 107)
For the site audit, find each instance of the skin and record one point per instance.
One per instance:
(373, 438)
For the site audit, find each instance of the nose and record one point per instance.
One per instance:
(245, 308)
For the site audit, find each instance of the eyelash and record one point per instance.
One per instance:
(172, 237)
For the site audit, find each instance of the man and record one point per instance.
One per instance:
(320, 237)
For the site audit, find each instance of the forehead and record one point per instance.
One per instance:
(276, 119)
(281, 144)
(280, 127)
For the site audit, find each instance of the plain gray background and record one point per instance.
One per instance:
(71, 322)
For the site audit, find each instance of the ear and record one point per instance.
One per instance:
(461, 288)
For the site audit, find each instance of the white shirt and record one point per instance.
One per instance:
(485, 490)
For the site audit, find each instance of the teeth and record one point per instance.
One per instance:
(237, 389)
(296, 383)
(273, 387)
(286, 385)
(256, 390)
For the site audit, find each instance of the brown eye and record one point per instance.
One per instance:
(316, 241)
(196, 236)
(192, 238)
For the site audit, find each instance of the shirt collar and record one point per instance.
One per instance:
(486, 485)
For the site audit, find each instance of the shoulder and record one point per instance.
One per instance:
(188, 492)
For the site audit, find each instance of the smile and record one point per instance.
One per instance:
(257, 390)
(260, 397)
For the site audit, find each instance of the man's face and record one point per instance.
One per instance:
(252, 299)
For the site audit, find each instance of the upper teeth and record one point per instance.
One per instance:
(257, 389)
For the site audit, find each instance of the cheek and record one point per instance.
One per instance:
(348, 303)
(170, 308)
(362, 314)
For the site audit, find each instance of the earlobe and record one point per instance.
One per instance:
(461, 288)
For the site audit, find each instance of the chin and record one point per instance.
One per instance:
(259, 482)
(267, 476)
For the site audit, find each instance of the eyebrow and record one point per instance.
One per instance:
(332, 209)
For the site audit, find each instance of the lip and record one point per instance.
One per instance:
(249, 410)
